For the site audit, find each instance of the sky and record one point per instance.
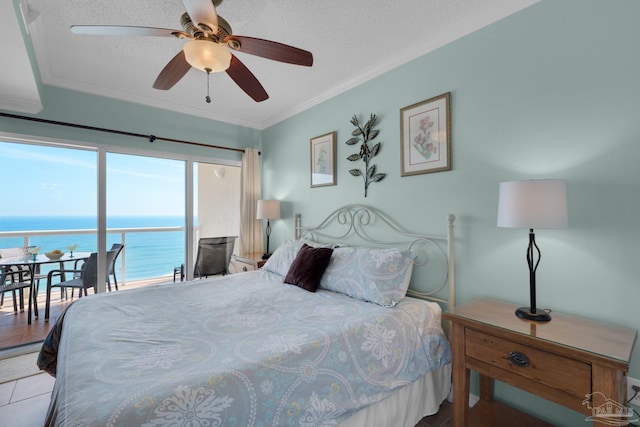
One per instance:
(51, 181)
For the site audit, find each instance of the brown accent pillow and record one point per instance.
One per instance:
(308, 267)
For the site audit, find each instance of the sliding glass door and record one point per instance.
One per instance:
(146, 212)
(53, 187)
(49, 198)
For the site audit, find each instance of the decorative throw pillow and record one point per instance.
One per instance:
(308, 267)
(378, 275)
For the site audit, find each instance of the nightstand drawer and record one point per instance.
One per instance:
(239, 266)
(246, 262)
(545, 369)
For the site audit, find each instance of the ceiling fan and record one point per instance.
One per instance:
(209, 48)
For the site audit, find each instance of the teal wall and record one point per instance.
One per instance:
(88, 110)
(550, 92)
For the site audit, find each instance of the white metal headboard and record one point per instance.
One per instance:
(356, 225)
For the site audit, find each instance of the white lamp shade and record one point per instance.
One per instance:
(268, 209)
(205, 54)
(533, 204)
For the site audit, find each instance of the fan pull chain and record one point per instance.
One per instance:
(208, 98)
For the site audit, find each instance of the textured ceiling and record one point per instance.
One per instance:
(352, 41)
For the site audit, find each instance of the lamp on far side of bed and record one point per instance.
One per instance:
(268, 209)
(533, 204)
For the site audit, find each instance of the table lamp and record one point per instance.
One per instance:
(533, 204)
(268, 209)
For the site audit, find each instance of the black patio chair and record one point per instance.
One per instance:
(12, 281)
(17, 277)
(117, 247)
(82, 279)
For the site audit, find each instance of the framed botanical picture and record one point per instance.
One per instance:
(425, 136)
(323, 160)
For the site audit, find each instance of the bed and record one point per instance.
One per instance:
(248, 349)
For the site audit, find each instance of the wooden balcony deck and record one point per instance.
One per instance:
(14, 330)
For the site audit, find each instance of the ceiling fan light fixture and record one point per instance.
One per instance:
(207, 55)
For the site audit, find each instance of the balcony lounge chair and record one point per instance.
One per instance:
(214, 256)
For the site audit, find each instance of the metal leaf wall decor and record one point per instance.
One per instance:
(364, 135)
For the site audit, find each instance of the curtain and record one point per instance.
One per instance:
(251, 239)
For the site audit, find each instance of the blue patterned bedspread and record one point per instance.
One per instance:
(242, 350)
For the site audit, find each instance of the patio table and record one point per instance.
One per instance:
(32, 263)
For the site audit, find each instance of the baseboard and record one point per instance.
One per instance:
(20, 350)
(473, 399)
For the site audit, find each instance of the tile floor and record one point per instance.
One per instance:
(24, 402)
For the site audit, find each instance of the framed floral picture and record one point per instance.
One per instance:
(425, 136)
(323, 160)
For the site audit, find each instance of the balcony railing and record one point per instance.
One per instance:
(27, 235)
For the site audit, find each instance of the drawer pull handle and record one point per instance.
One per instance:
(518, 359)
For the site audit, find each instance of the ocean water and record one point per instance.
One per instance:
(148, 254)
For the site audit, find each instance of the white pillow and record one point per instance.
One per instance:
(280, 261)
(378, 275)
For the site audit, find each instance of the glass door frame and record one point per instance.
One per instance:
(189, 212)
(102, 150)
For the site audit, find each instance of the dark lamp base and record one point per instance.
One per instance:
(538, 316)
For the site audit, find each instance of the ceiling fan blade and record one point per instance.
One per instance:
(172, 72)
(118, 30)
(202, 12)
(246, 80)
(272, 50)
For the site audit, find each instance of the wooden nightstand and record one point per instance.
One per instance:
(246, 262)
(573, 361)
